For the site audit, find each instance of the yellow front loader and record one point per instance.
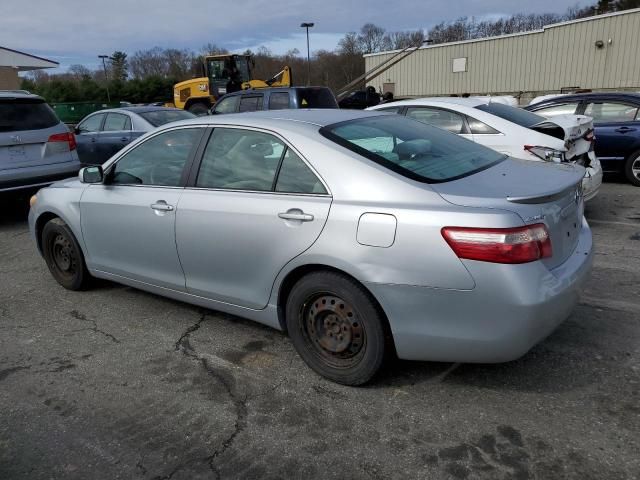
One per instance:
(223, 74)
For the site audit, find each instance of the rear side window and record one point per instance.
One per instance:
(412, 149)
(296, 177)
(452, 122)
(250, 104)
(315, 98)
(480, 128)
(553, 110)
(116, 122)
(26, 114)
(603, 112)
(279, 101)
(521, 117)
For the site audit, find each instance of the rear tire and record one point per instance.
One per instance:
(336, 327)
(632, 169)
(63, 255)
(199, 109)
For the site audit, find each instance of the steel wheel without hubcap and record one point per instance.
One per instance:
(63, 255)
(333, 329)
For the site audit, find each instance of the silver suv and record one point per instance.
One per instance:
(36, 148)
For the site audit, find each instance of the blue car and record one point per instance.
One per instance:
(616, 118)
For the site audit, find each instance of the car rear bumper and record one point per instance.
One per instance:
(40, 175)
(592, 179)
(512, 308)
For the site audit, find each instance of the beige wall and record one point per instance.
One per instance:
(556, 57)
(9, 78)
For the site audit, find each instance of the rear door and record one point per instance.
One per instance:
(25, 126)
(240, 221)
(87, 137)
(617, 129)
(250, 103)
(115, 134)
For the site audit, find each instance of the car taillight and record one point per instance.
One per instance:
(589, 136)
(500, 245)
(545, 153)
(68, 138)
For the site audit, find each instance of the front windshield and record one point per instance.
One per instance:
(413, 149)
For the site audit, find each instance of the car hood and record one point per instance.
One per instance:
(72, 182)
(572, 129)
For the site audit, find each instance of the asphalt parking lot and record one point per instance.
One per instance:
(117, 383)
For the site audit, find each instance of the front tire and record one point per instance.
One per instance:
(632, 169)
(336, 327)
(63, 255)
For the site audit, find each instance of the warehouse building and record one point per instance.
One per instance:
(597, 53)
(12, 62)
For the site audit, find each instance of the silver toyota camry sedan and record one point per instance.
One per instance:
(362, 234)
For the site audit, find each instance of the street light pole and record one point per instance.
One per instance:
(308, 25)
(106, 78)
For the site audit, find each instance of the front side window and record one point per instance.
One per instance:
(250, 104)
(279, 101)
(157, 161)
(413, 149)
(116, 122)
(240, 159)
(562, 109)
(91, 124)
(603, 112)
(450, 121)
(227, 104)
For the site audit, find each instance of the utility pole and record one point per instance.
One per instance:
(308, 25)
(106, 78)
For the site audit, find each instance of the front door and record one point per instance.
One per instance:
(241, 221)
(128, 223)
(115, 134)
(87, 139)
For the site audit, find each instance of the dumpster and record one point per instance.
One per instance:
(73, 112)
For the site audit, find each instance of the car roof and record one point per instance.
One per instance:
(314, 117)
(634, 97)
(19, 94)
(465, 102)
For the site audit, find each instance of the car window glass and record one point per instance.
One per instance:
(563, 109)
(449, 121)
(480, 128)
(389, 109)
(250, 104)
(296, 177)
(227, 105)
(91, 124)
(25, 114)
(157, 161)
(116, 122)
(279, 101)
(318, 97)
(240, 160)
(611, 112)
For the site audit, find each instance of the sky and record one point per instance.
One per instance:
(74, 31)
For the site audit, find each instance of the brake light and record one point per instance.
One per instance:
(545, 153)
(500, 245)
(67, 137)
(589, 136)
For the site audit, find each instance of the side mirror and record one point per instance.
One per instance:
(77, 131)
(93, 174)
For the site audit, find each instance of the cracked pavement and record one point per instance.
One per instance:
(115, 383)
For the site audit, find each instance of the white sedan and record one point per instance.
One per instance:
(510, 130)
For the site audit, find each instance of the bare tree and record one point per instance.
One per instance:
(371, 38)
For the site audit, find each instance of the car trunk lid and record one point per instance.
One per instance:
(537, 192)
(576, 131)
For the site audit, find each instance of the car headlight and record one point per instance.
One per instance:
(546, 153)
(33, 200)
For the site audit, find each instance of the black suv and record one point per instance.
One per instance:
(275, 99)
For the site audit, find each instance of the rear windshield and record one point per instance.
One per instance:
(516, 115)
(160, 117)
(411, 148)
(316, 98)
(26, 114)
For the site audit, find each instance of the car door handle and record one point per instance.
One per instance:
(124, 139)
(296, 215)
(625, 129)
(162, 206)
